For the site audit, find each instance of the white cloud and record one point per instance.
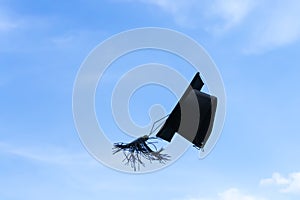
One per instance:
(182, 11)
(50, 155)
(235, 194)
(186, 12)
(291, 184)
(230, 194)
(286, 186)
(230, 12)
(277, 26)
(195, 198)
(170, 6)
(7, 22)
(262, 25)
(275, 179)
(6, 25)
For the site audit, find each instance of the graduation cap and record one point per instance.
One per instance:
(192, 118)
(193, 102)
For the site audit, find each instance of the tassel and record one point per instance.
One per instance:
(137, 150)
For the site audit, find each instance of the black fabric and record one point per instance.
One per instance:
(204, 101)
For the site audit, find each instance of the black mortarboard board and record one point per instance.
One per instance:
(195, 128)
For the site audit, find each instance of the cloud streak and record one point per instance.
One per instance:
(290, 184)
(7, 25)
(236, 194)
(7, 22)
(278, 26)
(181, 11)
(287, 186)
(48, 155)
(262, 25)
(231, 194)
(230, 13)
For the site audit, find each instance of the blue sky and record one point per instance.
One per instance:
(255, 45)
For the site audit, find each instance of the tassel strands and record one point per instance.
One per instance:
(137, 150)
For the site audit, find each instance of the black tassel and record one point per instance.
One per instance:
(137, 150)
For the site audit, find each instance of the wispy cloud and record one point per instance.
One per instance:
(7, 22)
(230, 194)
(236, 194)
(192, 13)
(57, 172)
(74, 39)
(286, 186)
(290, 184)
(47, 154)
(276, 26)
(261, 25)
(222, 15)
(275, 179)
(230, 13)
(181, 11)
